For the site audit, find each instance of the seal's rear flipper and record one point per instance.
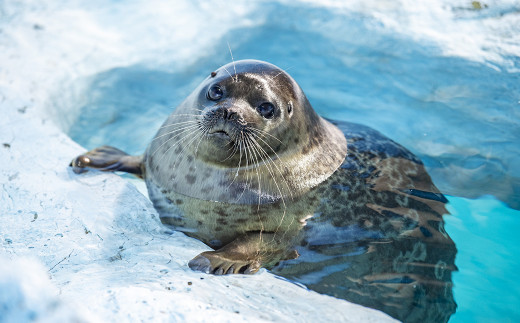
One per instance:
(108, 158)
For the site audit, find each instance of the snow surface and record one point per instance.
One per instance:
(91, 247)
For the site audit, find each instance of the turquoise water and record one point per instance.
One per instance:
(459, 116)
(485, 232)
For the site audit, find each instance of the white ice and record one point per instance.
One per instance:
(91, 248)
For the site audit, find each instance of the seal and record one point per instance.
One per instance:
(226, 163)
(247, 166)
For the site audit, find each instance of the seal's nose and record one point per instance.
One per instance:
(230, 115)
(226, 113)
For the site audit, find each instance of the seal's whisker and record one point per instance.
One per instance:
(233, 150)
(178, 131)
(275, 165)
(225, 69)
(259, 186)
(182, 141)
(202, 105)
(263, 132)
(185, 115)
(177, 160)
(281, 72)
(261, 150)
(233, 60)
(280, 224)
(249, 162)
(267, 159)
(264, 139)
(178, 123)
(246, 153)
(271, 80)
(186, 108)
(195, 109)
(183, 118)
(178, 143)
(261, 154)
(205, 131)
(258, 205)
(184, 128)
(257, 163)
(239, 144)
(193, 127)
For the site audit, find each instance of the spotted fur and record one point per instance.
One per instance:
(334, 205)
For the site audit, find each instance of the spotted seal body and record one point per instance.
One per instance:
(245, 165)
(249, 145)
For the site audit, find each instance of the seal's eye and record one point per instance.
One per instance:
(266, 110)
(215, 93)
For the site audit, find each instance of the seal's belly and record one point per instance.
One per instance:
(217, 224)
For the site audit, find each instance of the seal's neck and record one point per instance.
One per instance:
(315, 161)
(286, 176)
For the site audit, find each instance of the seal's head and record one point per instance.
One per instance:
(252, 131)
(254, 104)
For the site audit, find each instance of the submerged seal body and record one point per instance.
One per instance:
(246, 165)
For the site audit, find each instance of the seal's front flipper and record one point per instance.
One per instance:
(245, 255)
(108, 158)
(217, 263)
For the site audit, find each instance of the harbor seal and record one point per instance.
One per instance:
(229, 166)
(245, 165)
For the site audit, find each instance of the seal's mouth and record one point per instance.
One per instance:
(222, 129)
(220, 133)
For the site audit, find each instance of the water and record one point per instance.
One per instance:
(486, 234)
(450, 97)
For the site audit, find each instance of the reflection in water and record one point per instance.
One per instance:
(378, 238)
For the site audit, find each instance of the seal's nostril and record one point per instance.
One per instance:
(225, 114)
(232, 116)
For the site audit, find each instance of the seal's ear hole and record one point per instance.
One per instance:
(289, 107)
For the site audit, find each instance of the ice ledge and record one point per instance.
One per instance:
(90, 247)
(100, 242)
